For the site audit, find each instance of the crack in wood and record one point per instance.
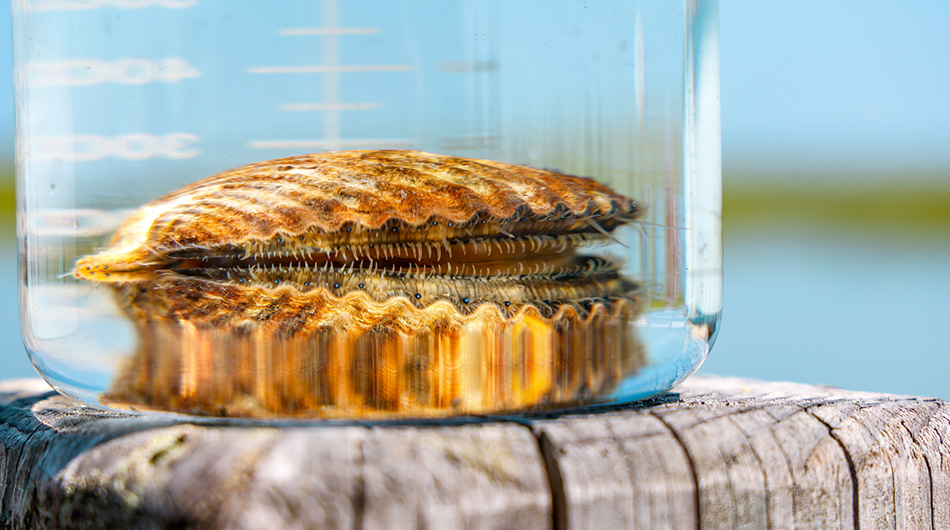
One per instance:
(786, 458)
(555, 481)
(930, 476)
(762, 466)
(692, 467)
(359, 499)
(632, 467)
(855, 493)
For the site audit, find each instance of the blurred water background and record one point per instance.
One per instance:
(836, 168)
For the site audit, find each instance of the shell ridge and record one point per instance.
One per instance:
(324, 308)
(309, 201)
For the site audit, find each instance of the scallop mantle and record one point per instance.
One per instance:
(420, 226)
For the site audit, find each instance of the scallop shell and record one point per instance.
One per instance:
(372, 283)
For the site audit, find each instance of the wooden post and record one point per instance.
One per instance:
(715, 453)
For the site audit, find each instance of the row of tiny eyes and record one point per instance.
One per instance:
(338, 285)
(418, 296)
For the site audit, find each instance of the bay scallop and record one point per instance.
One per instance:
(373, 284)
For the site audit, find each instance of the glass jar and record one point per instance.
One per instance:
(122, 102)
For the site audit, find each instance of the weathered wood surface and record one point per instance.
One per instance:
(716, 453)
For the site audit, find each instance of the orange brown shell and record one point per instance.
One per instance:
(372, 283)
(323, 192)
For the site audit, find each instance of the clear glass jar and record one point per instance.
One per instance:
(120, 102)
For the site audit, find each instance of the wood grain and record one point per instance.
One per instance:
(717, 453)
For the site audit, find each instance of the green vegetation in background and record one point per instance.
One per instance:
(876, 208)
(7, 204)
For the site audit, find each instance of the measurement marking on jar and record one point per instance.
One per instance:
(36, 6)
(329, 31)
(470, 66)
(133, 146)
(128, 71)
(332, 107)
(306, 32)
(331, 143)
(81, 222)
(475, 141)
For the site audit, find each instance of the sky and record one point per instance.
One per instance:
(807, 87)
(849, 85)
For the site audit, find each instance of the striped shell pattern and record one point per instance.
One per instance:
(372, 283)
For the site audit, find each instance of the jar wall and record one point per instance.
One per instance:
(120, 102)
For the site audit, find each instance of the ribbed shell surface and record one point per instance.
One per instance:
(369, 188)
(316, 286)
